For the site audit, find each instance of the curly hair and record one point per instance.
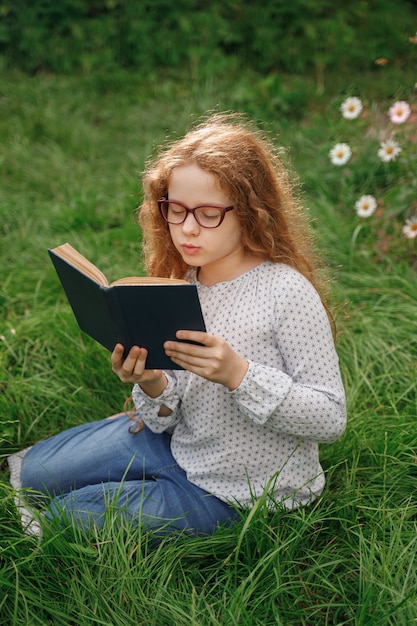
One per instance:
(252, 174)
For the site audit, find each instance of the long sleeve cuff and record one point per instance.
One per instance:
(261, 391)
(149, 407)
(268, 396)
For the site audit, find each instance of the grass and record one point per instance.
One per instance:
(72, 152)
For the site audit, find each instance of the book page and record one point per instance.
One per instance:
(148, 280)
(75, 258)
(72, 256)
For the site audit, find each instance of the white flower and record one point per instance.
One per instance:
(410, 228)
(399, 112)
(389, 150)
(365, 206)
(351, 108)
(340, 154)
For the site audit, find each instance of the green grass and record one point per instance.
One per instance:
(72, 152)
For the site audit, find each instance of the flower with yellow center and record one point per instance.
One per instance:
(410, 228)
(340, 154)
(351, 108)
(365, 206)
(389, 150)
(399, 112)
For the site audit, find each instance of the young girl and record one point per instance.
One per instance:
(261, 391)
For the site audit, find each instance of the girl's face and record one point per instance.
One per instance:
(216, 251)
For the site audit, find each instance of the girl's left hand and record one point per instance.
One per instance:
(214, 360)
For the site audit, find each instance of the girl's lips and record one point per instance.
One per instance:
(190, 249)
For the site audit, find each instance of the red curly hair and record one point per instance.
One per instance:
(251, 173)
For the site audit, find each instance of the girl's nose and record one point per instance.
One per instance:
(190, 225)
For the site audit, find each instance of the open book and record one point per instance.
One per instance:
(141, 311)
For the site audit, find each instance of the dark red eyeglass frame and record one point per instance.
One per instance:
(222, 209)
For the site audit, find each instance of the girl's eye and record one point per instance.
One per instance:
(209, 214)
(176, 209)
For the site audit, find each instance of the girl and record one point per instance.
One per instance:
(260, 391)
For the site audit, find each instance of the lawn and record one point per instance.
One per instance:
(72, 152)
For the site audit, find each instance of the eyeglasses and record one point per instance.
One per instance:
(206, 215)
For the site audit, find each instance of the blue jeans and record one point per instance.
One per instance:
(83, 471)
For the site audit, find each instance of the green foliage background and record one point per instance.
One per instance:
(268, 36)
(87, 89)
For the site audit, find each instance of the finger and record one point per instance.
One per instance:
(117, 356)
(197, 362)
(135, 359)
(117, 351)
(186, 351)
(141, 357)
(195, 335)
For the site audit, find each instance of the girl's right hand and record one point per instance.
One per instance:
(132, 369)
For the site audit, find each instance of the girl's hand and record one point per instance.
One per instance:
(132, 370)
(214, 360)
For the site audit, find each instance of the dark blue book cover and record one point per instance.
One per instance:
(144, 314)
